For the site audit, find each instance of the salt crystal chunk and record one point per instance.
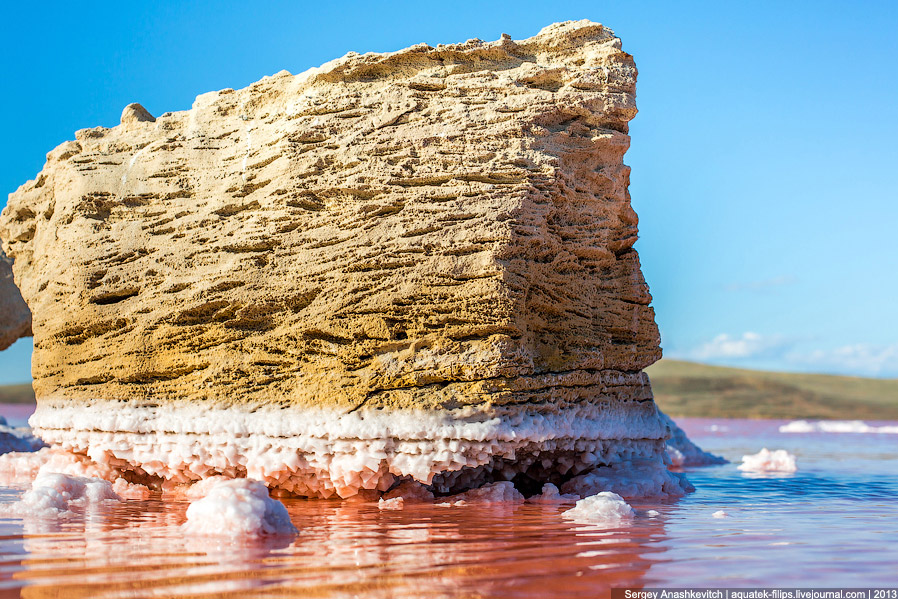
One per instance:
(765, 460)
(602, 508)
(237, 507)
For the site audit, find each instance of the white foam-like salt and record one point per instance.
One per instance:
(236, 507)
(18, 469)
(396, 503)
(52, 495)
(21, 468)
(765, 460)
(836, 426)
(720, 514)
(601, 508)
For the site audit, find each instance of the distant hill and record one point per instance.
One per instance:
(689, 389)
(16, 393)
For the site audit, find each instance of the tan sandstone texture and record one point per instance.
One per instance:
(415, 264)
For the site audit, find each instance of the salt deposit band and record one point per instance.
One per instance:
(322, 452)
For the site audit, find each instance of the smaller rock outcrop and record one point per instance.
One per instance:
(15, 317)
(135, 113)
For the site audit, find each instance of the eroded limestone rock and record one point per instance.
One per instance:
(415, 264)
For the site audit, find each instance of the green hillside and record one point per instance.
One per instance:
(689, 389)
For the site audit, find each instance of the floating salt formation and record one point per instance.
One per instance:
(765, 460)
(396, 503)
(414, 265)
(720, 514)
(602, 508)
(52, 495)
(836, 426)
(237, 507)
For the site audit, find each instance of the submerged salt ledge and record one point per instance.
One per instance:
(634, 478)
(765, 460)
(322, 453)
(500, 492)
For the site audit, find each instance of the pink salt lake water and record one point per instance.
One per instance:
(834, 522)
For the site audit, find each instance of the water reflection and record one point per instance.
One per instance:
(833, 523)
(343, 549)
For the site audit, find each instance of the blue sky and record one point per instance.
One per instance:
(764, 156)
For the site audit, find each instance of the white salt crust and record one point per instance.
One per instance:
(20, 469)
(602, 508)
(765, 460)
(321, 453)
(236, 507)
(397, 503)
(52, 494)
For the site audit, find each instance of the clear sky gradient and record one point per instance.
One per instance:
(764, 156)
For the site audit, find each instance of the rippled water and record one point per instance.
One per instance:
(833, 523)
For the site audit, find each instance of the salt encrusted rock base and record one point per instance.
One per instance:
(682, 452)
(322, 453)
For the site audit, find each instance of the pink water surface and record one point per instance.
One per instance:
(832, 523)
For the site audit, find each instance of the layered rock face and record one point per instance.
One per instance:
(416, 264)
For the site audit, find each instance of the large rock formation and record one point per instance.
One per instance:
(408, 264)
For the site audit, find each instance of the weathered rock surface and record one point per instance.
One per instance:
(15, 317)
(436, 229)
